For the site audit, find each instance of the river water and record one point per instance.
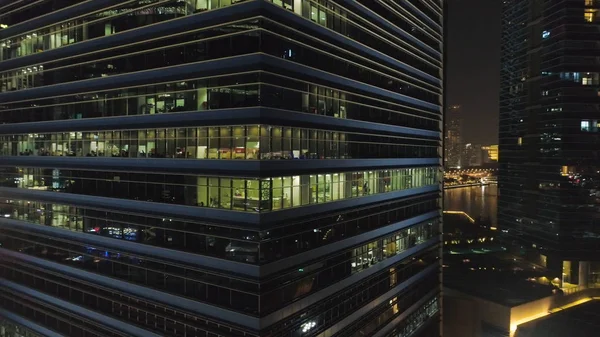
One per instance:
(477, 201)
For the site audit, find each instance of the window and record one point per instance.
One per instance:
(585, 125)
(589, 15)
(545, 34)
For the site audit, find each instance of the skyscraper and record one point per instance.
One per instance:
(220, 168)
(549, 141)
(471, 155)
(453, 142)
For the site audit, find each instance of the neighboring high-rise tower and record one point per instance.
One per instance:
(453, 142)
(549, 176)
(220, 168)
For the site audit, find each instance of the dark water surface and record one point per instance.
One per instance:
(477, 201)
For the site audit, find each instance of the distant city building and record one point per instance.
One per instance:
(471, 155)
(453, 137)
(489, 154)
(549, 168)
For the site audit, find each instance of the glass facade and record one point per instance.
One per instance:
(239, 295)
(250, 195)
(223, 242)
(10, 329)
(250, 142)
(220, 168)
(549, 203)
(222, 92)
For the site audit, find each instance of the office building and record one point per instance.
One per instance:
(220, 168)
(549, 168)
(453, 142)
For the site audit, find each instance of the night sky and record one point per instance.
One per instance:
(473, 66)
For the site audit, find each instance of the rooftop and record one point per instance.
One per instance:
(494, 277)
(582, 320)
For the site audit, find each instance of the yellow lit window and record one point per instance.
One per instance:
(589, 2)
(589, 15)
(520, 141)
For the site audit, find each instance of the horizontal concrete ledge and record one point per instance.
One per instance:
(207, 263)
(79, 311)
(288, 117)
(259, 221)
(307, 166)
(215, 167)
(232, 116)
(202, 309)
(233, 218)
(236, 168)
(275, 219)
(28, 324)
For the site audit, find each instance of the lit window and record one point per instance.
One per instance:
(520, 141)
(545, 93)
(308, 326)
(585, 125)
(545, 34)
(589, 15)
(589, 2)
